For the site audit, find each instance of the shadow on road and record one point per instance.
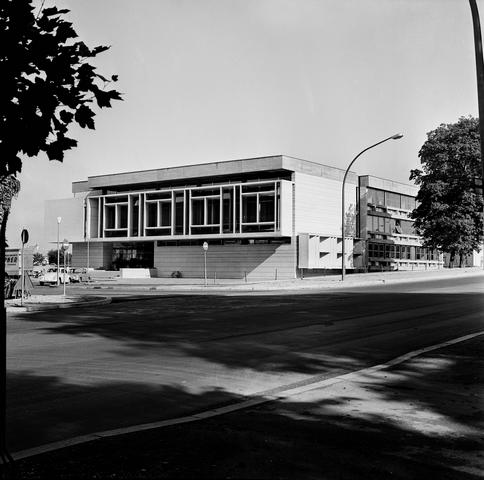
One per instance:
(422, 419)
(377, 425)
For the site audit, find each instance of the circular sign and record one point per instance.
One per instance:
(24, 236)
(205, 246)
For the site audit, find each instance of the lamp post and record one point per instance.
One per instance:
(205, 248)
(59, 220)
(397, 136)
(65, 246)
(476, 24)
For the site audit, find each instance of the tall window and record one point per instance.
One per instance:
(151, 214)
(109, 221)
(165, 214)
(259, 207)
(205, 210)
(249, 209)
(198, 211)
(266, 207)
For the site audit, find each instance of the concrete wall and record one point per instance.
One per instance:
(100, 254)
(259, 261)
(318, 204)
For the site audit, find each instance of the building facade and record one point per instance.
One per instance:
(273, 217)
(262, 218)
(389, 240)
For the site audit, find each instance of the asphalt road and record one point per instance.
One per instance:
(83, 370)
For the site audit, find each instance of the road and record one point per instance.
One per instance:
(83, 370)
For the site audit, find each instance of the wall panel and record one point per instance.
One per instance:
(257, 261)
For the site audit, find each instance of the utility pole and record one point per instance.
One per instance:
(480, 76)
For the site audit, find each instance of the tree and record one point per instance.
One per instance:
(449, 212)
(38, 259)
(52, 257)
(48, 83)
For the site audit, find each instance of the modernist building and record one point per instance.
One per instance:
(261, 217)
(271, 217)
(389, 241)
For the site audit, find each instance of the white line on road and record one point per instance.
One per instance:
(352, 377)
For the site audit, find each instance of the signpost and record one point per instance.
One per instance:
(24, 237)
(205, 248)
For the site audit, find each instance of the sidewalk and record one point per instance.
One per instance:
(310, 283)
(36, 303)
(419, 419)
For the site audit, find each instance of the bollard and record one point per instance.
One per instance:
(275, 275)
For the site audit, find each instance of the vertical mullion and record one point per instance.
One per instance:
(240, 209)
(257, 208)
(88, 218)
(129, 215)
(275, 206)
(116, 209)
(189, 212)
(99, 216)
(234, 211)
(104, 217)
(173, 212)
(139, 214)
(205, 216)
(221, 216)
(144, 214)
(184, 211)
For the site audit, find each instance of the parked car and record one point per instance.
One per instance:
(50, 277)
(75, 275)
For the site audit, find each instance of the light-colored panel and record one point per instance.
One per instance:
(318, 204)
(286, 212)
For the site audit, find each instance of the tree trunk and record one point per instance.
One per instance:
(451, 259)
(9, 187)
(3, 341)
(461, 259)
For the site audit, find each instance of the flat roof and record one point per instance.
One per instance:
(215, 170)
(388, 185)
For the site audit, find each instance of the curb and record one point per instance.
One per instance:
(297, 285)
(39, 307)
(284, 391)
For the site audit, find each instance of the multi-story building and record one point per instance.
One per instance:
(264, 217)
(389, 241)
(272, 217)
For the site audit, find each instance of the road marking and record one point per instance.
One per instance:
(358, 375)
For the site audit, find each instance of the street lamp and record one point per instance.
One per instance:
(65, 247)
(59, 220)
(397, 136)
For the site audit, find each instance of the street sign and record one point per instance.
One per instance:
(205, 246)
(24, 236)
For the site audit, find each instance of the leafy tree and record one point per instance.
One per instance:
(38, 259)
(52, 256)
(48, 83)
(449, 212)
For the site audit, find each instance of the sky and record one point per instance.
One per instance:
(215, 80)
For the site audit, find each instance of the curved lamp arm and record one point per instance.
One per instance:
(397, 136)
